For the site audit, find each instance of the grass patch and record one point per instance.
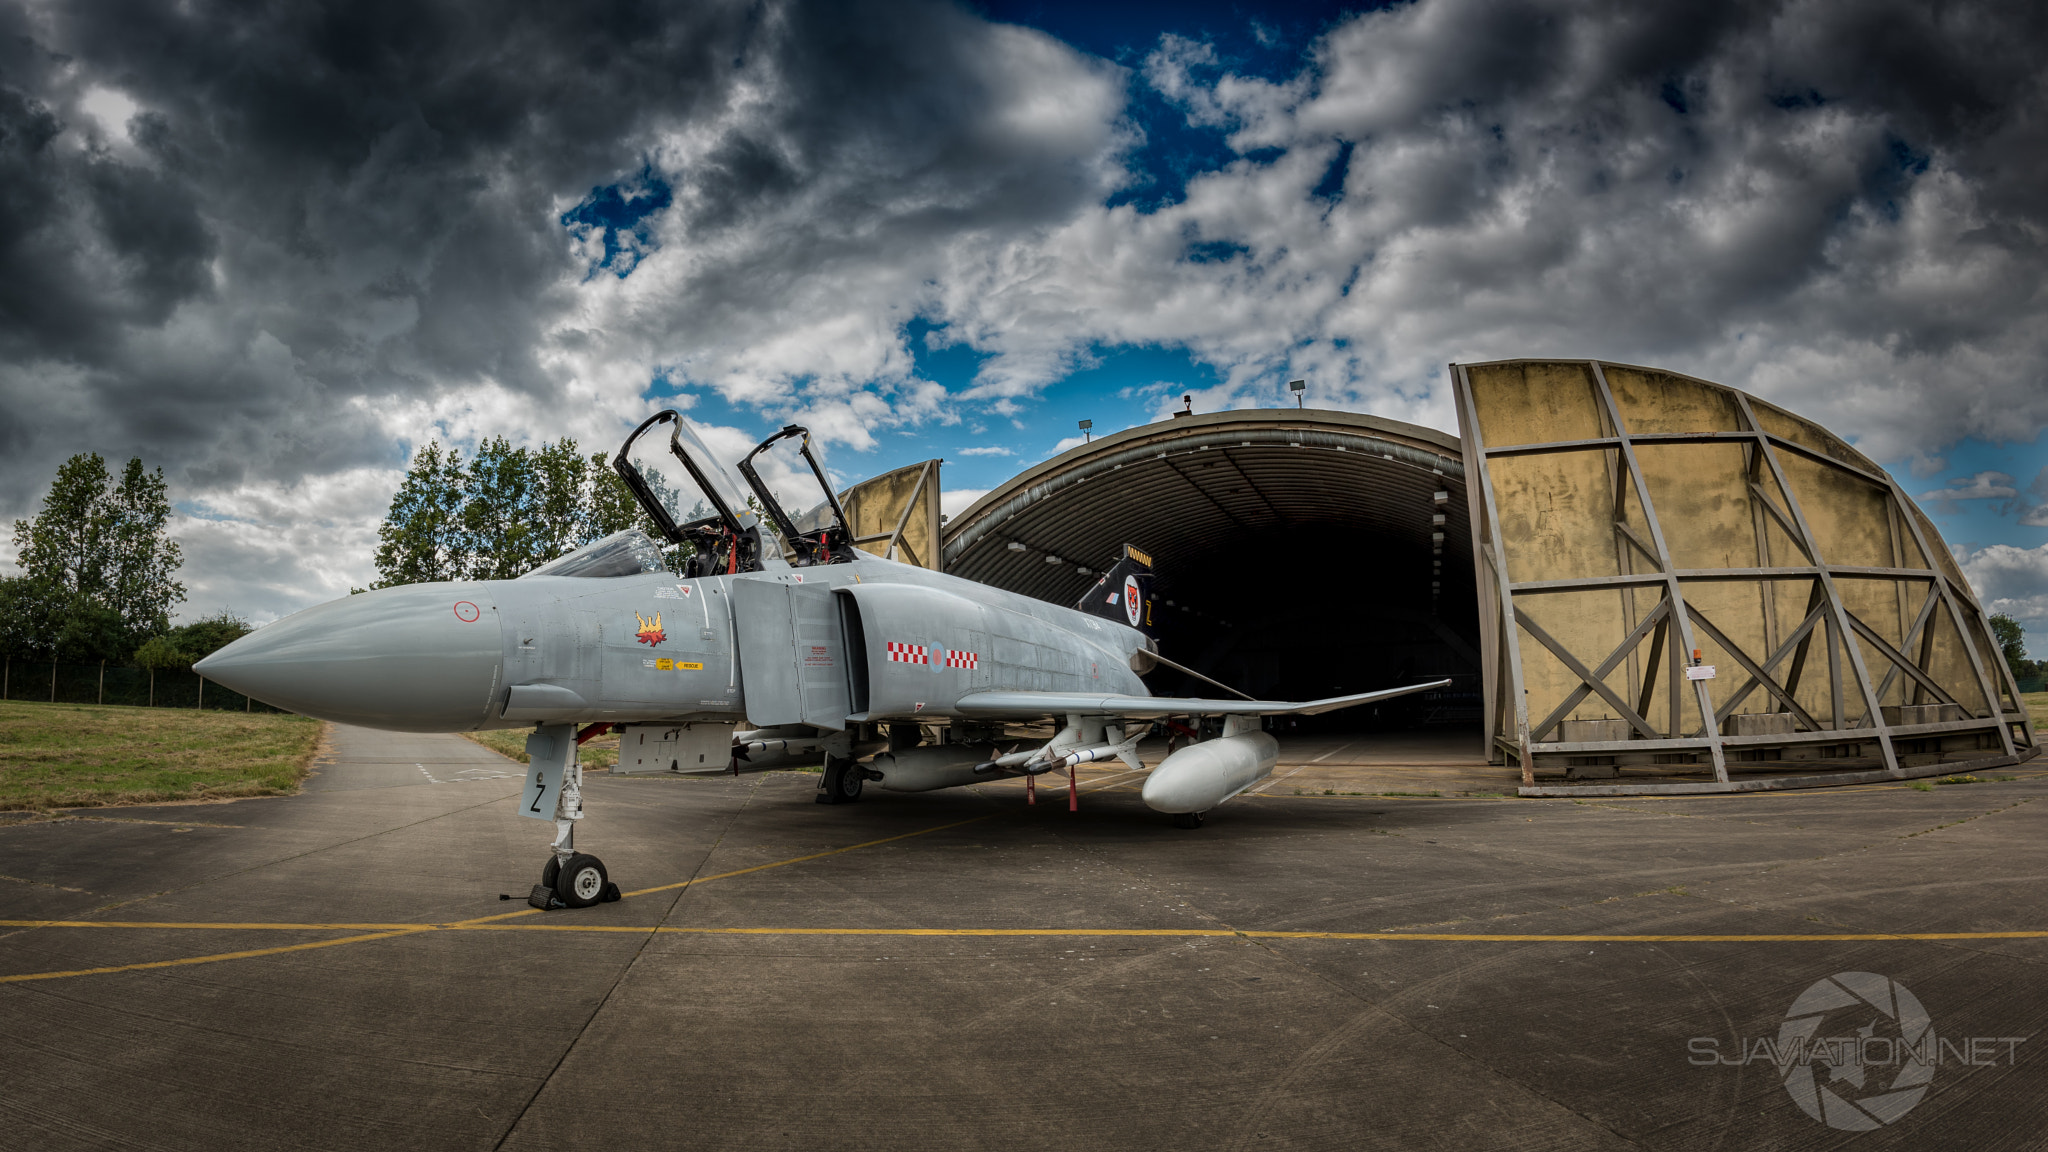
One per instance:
(1958, 780)
(598, 752)
(1919, 785)
(2036, 704)
(88, 755)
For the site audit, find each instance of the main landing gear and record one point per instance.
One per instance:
(1187, 819)
(842, 780)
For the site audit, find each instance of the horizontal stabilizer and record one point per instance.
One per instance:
(1023, 705)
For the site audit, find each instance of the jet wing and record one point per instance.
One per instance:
(1019, 705)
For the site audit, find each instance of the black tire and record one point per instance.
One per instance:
(842, 781)
(551, 871)
(1187, 819)
(582, 881)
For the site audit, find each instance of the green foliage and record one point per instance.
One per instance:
(209, 634)
(188, 644)
(98, 565)
(557, 510)
(2012, 642)
(498, 493)
(90, 630)
(31, 615)
(422, 538)
(162, 654)
(612, 507)
(502, 513)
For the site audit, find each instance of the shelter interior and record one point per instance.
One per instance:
(1265, 528)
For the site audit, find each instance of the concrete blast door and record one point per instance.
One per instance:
(792, 654)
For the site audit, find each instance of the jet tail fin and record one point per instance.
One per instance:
(1124, 593)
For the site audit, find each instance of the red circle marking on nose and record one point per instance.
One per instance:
(467, 612)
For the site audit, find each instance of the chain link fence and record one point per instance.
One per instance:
(40, 681)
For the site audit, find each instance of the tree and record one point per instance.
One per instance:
(90, 630)
(559, 514)
(497, 515)
(422, 537)
(98, 565)
(188, 644)
(162, 654)
(209, 634)
(31, 615)
(2012, 642)
(612, 507)
(142, 558)
(67, 544)
(502, 514)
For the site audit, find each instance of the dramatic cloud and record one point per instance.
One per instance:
(1982, 486)
(2035, 515)
(273, 248)
(2012, 581)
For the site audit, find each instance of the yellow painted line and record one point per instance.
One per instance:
(1465, 937)
(1249, 933)
(387, 931)
(738, 872)
(204, 959)
(223, 925)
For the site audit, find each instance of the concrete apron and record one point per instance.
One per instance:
(950, 969)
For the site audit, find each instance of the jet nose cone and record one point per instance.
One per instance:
(419, 658)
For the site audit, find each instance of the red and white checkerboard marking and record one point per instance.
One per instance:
(959, 659)
(908, 653)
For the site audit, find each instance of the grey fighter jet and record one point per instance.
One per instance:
(740, 643)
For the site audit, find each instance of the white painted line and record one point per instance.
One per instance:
(1303, 768)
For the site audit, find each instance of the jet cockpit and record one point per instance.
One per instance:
(819, 536)
(693, 500)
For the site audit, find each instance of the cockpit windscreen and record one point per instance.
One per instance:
(681, 476)
(627, 553)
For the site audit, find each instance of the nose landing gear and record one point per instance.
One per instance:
(579, 883)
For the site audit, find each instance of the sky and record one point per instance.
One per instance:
(273, 249)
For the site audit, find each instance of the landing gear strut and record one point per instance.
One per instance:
(570, 879)
(1187, 819)
(842, 780)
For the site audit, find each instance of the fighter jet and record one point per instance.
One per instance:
(742, 641)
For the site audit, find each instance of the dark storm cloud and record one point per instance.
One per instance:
(271, 245)
(1835, 203)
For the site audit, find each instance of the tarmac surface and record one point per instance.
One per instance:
(958, 969)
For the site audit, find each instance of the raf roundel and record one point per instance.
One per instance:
(1133, 600)
(466, 612)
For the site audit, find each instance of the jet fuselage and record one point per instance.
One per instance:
(870, 640)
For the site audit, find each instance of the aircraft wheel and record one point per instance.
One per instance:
(1187, 819)
(582, 881)
(551, 871)
(842, 781)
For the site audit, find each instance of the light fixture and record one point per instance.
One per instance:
(1086, 437)
(1017, 546)
(1297, 387)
